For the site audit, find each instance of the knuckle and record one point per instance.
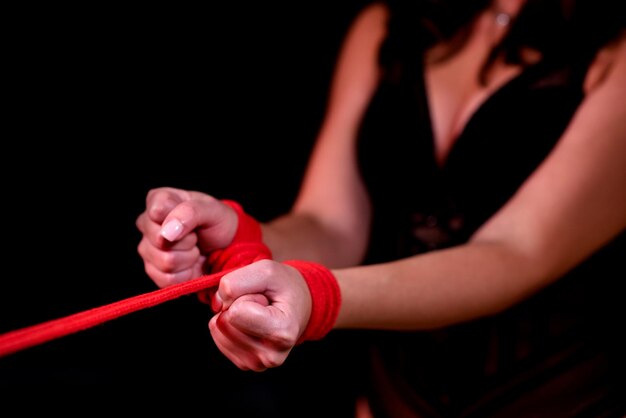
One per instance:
(268, 267)
(168, 262)
(188, 210)
(169, 279)
(148, 270)
(270, 359)
(139, 222)
(141, 248)
(242, 366)
(284, 338)
(154, 275)
(226, 288)
(257, 365)
(190, 241)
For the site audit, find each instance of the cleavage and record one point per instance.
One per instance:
(454, 96)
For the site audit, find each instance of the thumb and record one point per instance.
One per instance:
(161, 201)
(252, 279)
(215, 223)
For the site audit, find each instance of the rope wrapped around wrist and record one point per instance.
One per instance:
(246, 247)
(325, 298)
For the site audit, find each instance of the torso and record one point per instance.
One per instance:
(438, 164)
(454, 93)
(453, 90)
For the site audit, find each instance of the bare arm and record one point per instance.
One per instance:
(573, 204)
(330, 219)
(568, 208)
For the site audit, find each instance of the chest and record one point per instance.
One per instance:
(454, 93)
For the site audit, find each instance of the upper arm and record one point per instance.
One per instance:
(332, 191)
(575, 201)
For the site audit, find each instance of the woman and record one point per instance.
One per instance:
(468, 190)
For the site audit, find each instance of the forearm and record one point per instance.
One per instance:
(302, 237)
(437, 289)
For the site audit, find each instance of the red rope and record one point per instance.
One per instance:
(21, 339)
(247, 247)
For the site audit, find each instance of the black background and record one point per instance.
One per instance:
(104, 103)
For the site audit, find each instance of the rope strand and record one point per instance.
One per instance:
(21, 339)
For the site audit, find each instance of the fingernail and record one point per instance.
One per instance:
(172, 230)
(216, 303)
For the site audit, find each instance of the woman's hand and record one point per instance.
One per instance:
(262, 310)
(179, 228)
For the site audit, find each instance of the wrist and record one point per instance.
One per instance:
(246, 246)
(248, 229)
(325, 299)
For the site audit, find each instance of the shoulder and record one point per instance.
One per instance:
(607, 59)
(368, 29)
(372, 16)
(366, 33)
(357, 71)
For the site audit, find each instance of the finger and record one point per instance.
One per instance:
(214, 222)
(163, 279)
(251, 279)
(268, 355)
(141, 221)
(161, 201)
(256, 298)
(152, 231)
(188, 242)
(241, 351)
(168, 261)
(252, 352)
(263, 321)
(216, 302)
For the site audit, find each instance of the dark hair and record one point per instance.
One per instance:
(558, 29)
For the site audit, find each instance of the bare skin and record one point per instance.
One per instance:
(574, 203)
